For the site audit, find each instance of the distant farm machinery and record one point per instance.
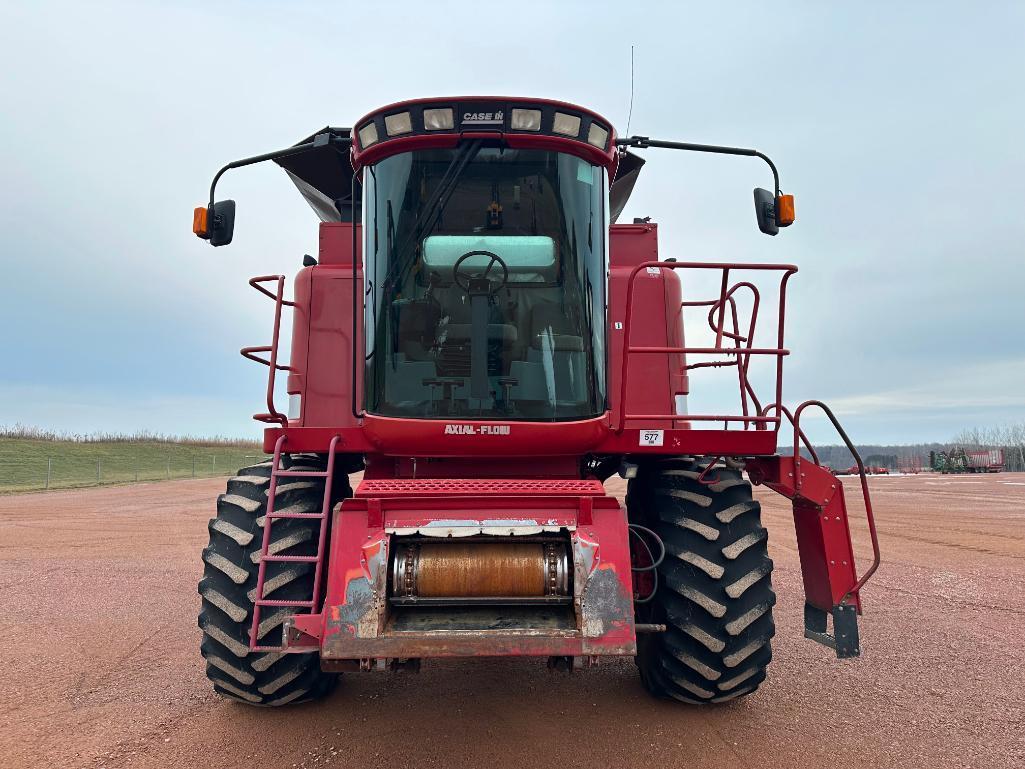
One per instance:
(962, 460)
(869, 470)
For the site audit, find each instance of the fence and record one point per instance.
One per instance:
(64, 465)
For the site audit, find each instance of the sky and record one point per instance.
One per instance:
(896, 126)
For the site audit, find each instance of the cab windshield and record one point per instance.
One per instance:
(485, 285)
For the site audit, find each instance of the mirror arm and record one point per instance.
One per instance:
(320, 140)
(643, 142)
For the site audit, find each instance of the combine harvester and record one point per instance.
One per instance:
(482, 339)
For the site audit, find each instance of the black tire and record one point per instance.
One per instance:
(714, 587)
(228, 587)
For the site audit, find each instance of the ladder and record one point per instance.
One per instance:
(309, 605)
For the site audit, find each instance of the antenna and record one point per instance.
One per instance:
(629, 117)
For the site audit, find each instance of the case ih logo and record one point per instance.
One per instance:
(477, 429)
(483, 118)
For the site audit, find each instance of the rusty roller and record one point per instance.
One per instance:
(480, 570)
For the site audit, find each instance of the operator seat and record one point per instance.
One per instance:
(417, 327)
(455, 330)
(549, 326)
(555, 370)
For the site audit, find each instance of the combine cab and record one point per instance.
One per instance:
(484, 341)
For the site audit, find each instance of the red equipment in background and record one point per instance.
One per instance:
(910, 465)
(487, 403)
(985, 460)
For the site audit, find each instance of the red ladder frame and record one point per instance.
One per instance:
(312, 604)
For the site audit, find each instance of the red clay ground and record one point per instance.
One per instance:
(98, 590)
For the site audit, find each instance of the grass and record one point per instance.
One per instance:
(78, 461)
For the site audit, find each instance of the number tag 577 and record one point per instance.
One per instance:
(651, 437)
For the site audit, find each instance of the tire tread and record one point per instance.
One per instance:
(228, 587)
(715, 587)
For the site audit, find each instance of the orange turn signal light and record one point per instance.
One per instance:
(199, 222)
(785, 210)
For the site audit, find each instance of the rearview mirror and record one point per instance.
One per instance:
(216, 224)
(773, 212)
(765, 210)
(222, 222)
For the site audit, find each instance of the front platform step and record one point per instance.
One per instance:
(844, 639)
(478, 487)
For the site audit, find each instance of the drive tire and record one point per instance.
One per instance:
(228, 587)
(714, 587)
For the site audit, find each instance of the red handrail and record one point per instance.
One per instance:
(272, 415)
(864, 484)
(743, 346)
(745, 386)
(798, 432)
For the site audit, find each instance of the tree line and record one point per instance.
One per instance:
(1010, 438)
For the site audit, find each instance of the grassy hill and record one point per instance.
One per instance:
(91, 461)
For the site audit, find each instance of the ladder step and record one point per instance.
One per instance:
(309, 605)
(267, 648)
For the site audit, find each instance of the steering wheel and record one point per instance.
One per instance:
(494, 258)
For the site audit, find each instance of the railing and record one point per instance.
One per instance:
(798, 432)
(869, 515)
(254, 353)
(740, 346)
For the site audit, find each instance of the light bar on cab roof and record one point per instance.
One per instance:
(507, 116)
(399, 124)
(367, 135)
(526, 120)
(439, 119)
(598, 136)
(567, 125)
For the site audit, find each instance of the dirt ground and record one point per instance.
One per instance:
(102, 665)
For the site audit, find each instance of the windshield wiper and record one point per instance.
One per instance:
(433, 209)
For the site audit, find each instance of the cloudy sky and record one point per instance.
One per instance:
(899, 129)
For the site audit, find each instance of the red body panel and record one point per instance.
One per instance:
(823, 531)
(657, 322)
(322, 333)
(531, 441)
(357, 622)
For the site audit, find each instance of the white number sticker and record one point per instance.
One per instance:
(651, 437)
(654, 271)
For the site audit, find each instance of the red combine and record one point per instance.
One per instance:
(482, 339)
